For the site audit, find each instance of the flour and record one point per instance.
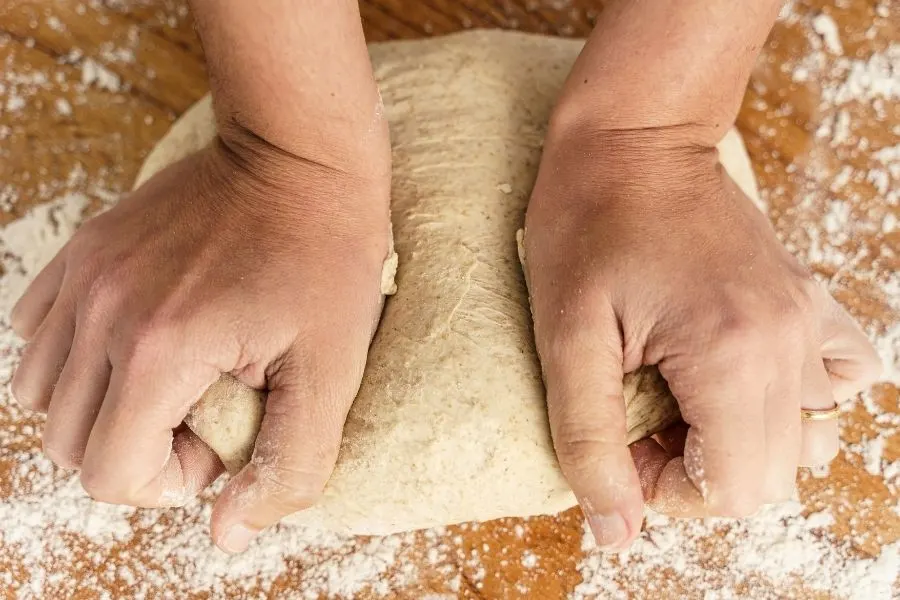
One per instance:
(783, 546)
(777, 548)
(827, 28)
(867, 80)
(47, 508)
(14, 103)
(69, 545)
(63, 107)
(29, 243)
(94, 73)
(55, 24)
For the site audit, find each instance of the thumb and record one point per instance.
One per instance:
(294, 455)
(582, 365)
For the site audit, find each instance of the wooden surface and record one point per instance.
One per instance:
(96, 148)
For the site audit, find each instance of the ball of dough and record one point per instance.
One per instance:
(450, 423)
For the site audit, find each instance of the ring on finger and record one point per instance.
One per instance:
(820, 414)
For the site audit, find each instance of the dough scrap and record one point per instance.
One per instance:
(450, 423)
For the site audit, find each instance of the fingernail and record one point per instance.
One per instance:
(237, 538)
(610, 530)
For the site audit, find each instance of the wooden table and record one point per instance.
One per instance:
(820, 147)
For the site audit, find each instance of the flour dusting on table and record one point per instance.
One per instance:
(841, 218)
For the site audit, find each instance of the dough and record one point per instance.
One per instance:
(450, 423)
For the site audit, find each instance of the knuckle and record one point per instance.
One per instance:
(99, 298)
(145, 339)
(19, 323)
(580, 445)
(784, 321)
(745, 342)
(88, 261)
(553, 344)
(292, 488)
(796, 316)
(741, 333)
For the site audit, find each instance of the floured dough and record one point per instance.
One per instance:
(450, 423)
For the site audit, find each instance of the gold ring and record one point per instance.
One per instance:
(820, 414)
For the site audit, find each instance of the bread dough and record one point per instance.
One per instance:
(450, 423)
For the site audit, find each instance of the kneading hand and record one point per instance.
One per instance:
(642, 251)
(239, 259)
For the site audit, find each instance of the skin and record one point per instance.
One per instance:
(642, 251)
(261, 256)
(217, 263)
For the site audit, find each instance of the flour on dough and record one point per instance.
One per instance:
(450, 422)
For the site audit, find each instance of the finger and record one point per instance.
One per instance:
(664, 481)
(783, 434)
(132, 456)
(200, 465)
(725, 447)
(34, 305)
(43, 359)
(672, 438)
(295, 450)
(582, 363)
(76, 399)
(820, 439)
(850, 359)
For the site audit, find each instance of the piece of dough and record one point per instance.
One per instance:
(450, 423)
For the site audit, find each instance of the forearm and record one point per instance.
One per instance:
(296, 75)
(651, 64)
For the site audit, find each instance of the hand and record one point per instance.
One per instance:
(240, 259)
(642, 251)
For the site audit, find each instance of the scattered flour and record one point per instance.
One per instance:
(867, 80)
(27, 244)
(63, 107)
(47, 508)
(93, 73)
(827, 28)
(55, 24)
(68, 544)
(773, 551)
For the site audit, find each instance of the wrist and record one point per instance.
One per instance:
(366, 159)
(596, 163)
(630, 124)
(337, 147)
(266, 181)
(626, 175)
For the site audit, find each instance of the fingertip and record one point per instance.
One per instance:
(675, 494)
(22, 389)
(650, 458)
(199, 463)
(17, 323)
(36, 302)
(871, 368)
(614, 506)
(236, 538)
(229, 528)
(673, 438)
(611, 531)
